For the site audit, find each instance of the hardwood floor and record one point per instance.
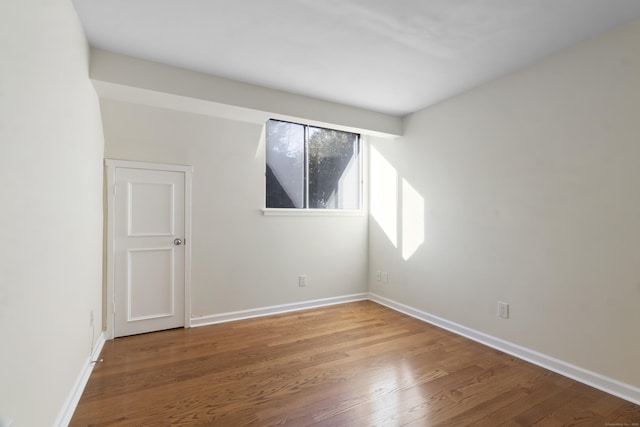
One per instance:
(356, 364)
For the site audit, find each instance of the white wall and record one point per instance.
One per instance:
(51, 152)
(241, 259)
(531, 194)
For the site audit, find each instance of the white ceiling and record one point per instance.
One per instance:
(391, 56)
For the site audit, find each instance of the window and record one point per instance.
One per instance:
(312, 168)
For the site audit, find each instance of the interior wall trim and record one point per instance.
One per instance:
(276, 309)
(608, 385)
(70, 404)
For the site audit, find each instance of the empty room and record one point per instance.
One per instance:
(335, 213)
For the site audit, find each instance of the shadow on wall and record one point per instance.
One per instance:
(396, 206)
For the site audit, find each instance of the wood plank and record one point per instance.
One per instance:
(350, 364)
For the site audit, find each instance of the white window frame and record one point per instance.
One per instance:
(363, 170)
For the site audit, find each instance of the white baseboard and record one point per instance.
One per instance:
(593, 379)
(276, 309)
(69, 407)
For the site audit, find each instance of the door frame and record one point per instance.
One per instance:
(109, 295)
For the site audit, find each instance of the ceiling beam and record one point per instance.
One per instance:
(139, 81)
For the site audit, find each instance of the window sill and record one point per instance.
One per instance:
(312, 212)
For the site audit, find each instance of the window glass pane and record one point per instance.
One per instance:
(285, 165)
(334, 174)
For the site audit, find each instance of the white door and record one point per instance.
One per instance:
(149, 250)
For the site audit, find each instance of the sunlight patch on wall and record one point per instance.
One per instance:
(412, 220)
(384, 195)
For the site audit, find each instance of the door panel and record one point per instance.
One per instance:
(150, 275)
(151, 209)
(149, 266)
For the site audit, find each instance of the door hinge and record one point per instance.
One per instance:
(114, 306)
(115, 189)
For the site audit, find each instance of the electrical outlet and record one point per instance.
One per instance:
(503, 310)
(302, 280)
(385, 277)
(378, 275)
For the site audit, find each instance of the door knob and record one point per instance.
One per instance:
(177, 242)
